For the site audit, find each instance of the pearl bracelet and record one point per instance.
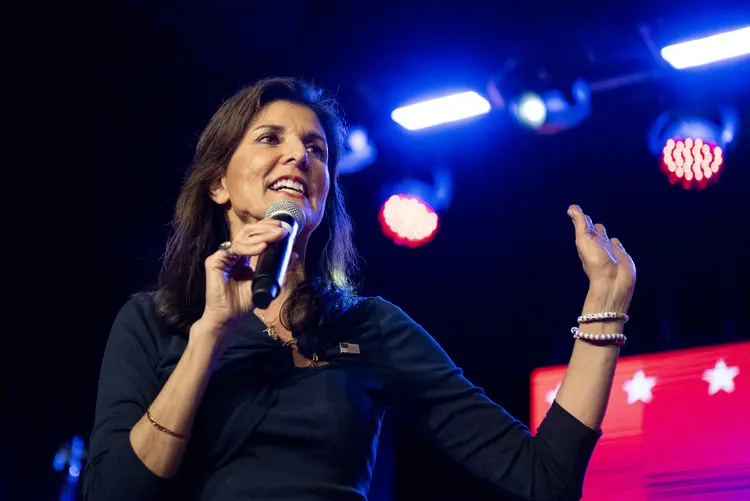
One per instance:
(598, 317)
(611, 338)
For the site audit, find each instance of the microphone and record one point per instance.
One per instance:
(273, 262)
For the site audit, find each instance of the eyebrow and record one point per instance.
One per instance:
(280, 128)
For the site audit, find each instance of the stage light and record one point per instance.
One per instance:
(551, 112)
(692, 148)
(692, 162)
(61, 459)
(708, 50)
(441, 110)
(358, 139)
(70, 454)
(531, 110)
(438, 193)
(538, 100)
(359, 152)
(408, 220)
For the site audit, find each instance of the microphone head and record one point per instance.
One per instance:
(287, 208)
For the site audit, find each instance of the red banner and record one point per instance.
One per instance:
(677, 426)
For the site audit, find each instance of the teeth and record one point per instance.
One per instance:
(290, 184)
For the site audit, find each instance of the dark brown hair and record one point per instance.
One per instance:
(200, 225)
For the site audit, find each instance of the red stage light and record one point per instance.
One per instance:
(675, 428)
(408, 220)
(691, 162)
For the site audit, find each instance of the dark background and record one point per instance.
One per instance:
(119, 91)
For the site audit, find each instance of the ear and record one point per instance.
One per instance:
(218, 191)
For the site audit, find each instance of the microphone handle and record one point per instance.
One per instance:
(273, 262)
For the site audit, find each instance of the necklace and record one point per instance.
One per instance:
(271, 331)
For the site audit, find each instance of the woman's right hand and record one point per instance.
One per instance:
(229, 275)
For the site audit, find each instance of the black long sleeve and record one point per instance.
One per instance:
(320, 423)
(475, 432)
(127, 386)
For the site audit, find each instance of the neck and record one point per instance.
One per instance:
(294, 276)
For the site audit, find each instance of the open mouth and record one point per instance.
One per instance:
(290, 186)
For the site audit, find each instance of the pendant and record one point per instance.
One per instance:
(271, 332)
(314, 361)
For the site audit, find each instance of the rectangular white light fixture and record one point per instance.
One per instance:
(441, 110)
(708, 50)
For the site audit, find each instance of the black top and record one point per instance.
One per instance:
(266, 430)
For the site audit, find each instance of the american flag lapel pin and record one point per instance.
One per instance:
(350, 348)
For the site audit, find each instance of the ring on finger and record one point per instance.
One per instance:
(227, 248)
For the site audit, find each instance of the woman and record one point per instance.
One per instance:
(202, 396)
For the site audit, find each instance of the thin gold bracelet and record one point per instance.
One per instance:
(164, 429)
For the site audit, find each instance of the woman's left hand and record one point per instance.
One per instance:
(610, 269)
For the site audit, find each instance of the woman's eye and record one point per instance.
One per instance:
(268, 139)
(316, 150)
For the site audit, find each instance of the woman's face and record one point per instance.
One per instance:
(283, 156)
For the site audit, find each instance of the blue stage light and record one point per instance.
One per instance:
(708, 50)
(531, 110)
(71, 454)
(538, 100)
(360, 152)
(441, 110)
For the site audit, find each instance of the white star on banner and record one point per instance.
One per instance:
(550, 397)
(639, 388)
(720, 377)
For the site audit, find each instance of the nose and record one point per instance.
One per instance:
(296, 154)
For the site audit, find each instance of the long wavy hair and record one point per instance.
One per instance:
(200, 225)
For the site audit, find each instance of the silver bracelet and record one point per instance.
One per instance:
(599, 317)
(611, 338)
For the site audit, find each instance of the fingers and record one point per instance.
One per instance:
(249, 248)
(255, 240)
(258, 228)
(616, 243)
(250, 242)
(590, 224)
(222, 260)
(579, 220)
(583, 224)
(601, 230)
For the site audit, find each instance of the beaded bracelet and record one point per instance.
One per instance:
(598, 317)
(612, 338)
(163, 429)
